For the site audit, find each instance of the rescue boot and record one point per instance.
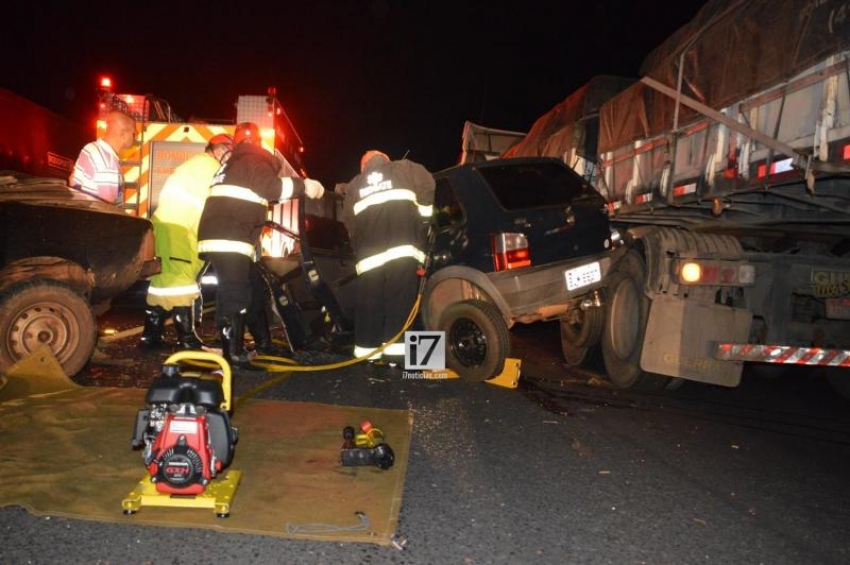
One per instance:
(184, 325)
(232, 335)
(154, 325)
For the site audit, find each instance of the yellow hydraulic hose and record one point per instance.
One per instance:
(292, 366)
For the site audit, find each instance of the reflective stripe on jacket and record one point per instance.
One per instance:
(389, 195)
(373, 261)
(226, 246)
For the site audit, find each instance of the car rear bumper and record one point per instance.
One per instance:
(538, 293)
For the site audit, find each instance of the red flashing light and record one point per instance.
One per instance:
(106, 82)
(846, 152)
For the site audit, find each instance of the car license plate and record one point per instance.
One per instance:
(838, 308)
(583, 276)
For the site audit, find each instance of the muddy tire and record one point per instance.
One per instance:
(477, 339)
(37, 313)
(625, 328)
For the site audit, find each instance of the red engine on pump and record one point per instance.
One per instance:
(182, 461)
(186, 437)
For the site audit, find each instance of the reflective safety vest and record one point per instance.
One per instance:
(175, 223)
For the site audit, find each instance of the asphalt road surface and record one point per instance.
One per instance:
(561, 470)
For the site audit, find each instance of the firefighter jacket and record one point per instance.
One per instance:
(386, 208)
(175, 224)
(240, 194)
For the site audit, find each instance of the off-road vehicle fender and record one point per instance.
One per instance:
(58, 269)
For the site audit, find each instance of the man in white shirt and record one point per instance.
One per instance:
(98, 168)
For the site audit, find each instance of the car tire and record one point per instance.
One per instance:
(45, 312)
(580, 338)
(477, 339)
(625, 328)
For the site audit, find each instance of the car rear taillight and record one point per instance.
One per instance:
(510, 251)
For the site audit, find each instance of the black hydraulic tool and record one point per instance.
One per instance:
(366, 448)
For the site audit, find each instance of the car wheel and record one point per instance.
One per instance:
(477, 339)
(580, 336)
(625, 328)
(33, 314)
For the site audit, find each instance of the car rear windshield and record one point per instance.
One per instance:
(536, 185)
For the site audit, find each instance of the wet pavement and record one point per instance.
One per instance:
(561, 470)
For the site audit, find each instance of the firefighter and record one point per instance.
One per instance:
(229, 235)
(387, 208)
(98, 167)
(175, 291)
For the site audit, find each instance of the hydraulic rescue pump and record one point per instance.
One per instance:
(185, 433)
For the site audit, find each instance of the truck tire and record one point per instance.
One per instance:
(625, 328)
(46, 312)
(477, 339)
(580, 338)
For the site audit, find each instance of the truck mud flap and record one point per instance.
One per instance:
(682, 336)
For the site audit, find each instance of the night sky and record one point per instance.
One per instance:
(398, 75)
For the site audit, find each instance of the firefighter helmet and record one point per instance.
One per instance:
(220, 139)
(246, 131)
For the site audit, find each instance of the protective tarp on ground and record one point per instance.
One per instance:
(572, 124)
(732, 49)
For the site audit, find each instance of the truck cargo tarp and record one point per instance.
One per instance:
(559, 131)
(733, 49)
(480, 143)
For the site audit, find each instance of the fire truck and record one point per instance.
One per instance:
(164, 141)
(35, 140)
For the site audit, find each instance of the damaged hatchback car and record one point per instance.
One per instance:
(515, 241)
(63, 256)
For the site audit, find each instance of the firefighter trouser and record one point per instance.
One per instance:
(385, 296)
(241, 287)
